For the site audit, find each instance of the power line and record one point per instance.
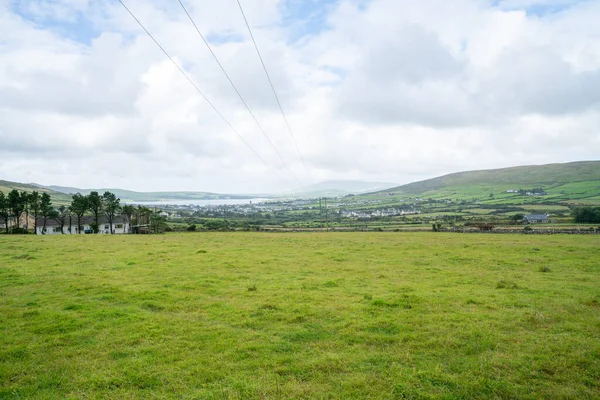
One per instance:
(233, 85)
(199, 91)
(287, 124)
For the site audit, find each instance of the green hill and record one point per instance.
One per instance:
(131, 196)
(523, 176)
(63, 194)
(569, 183)
(57, 197)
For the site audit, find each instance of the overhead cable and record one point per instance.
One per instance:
(199, 91)
(233, 85)
(272, 87)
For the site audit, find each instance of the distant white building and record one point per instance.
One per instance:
(120, 226)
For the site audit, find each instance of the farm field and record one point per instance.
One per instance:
(300, 315)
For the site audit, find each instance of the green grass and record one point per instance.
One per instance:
(346, 315)
(525, 177)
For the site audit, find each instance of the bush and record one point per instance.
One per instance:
(485, 227)
(19, 231)
(191, 228)
(586, 215)
(216, 225)
(517, 218)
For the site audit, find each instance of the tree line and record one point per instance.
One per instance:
(17, 204)
(587, 215)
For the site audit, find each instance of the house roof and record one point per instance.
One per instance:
(85, 220)
(536, 216)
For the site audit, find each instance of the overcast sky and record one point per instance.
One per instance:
(379, 90)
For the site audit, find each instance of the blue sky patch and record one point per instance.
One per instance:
(224, 37)
(306, 17)
(542, 8)
(77, 27)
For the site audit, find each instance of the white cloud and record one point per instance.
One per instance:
(386, 90)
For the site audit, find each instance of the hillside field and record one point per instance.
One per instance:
(57, 197)
(526, 176)
(303, 315)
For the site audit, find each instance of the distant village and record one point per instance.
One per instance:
(532, 192)
(344, 210)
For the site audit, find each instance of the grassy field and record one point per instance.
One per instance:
(316, 315)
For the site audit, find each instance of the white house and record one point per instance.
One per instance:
(120, 226)
(536, 218)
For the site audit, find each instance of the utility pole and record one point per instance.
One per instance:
(327, 214)
(320, 210)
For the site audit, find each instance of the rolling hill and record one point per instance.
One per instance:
(577, 182)
(529, 176)
(57, 197)
(132, 196)
(62, 194)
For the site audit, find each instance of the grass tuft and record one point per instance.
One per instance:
(506, 285)
(152, 306)
(269, 307)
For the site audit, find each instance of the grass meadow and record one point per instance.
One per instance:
(304, 315)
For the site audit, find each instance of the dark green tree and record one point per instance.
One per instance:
(95, 206)
(142, 215)
(4, 210)
(215, 225)
(46, 210)
(25, 201)
(17, 207)
(111, 205)
(34, 206)
(517, 218)
(158, 223)
(128, 211)
(587, 215)
(79, 206)
(62, 215)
